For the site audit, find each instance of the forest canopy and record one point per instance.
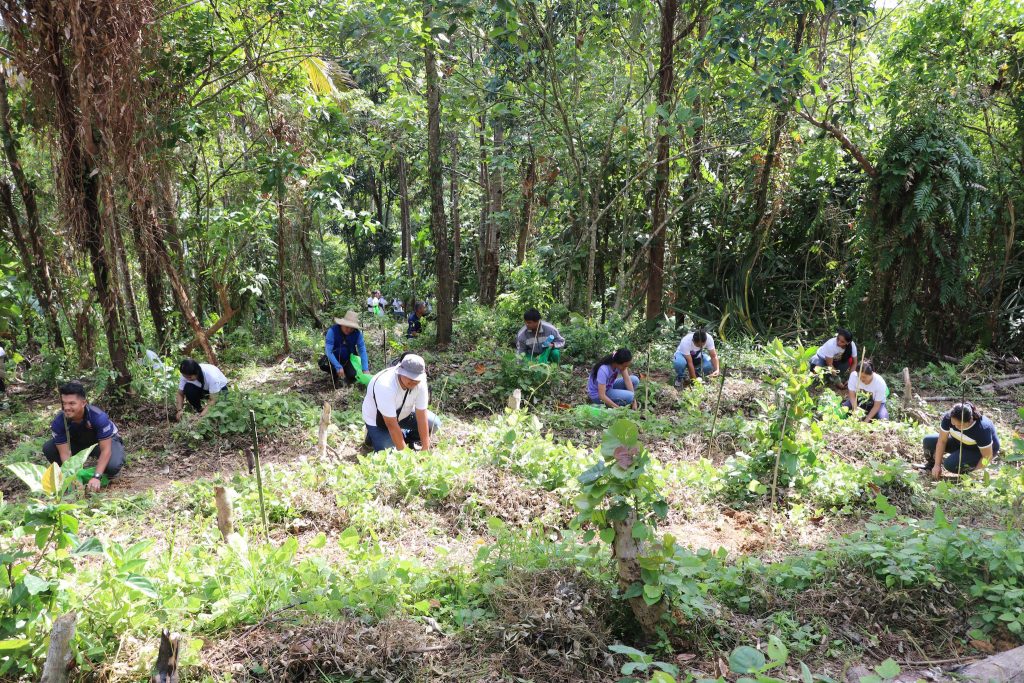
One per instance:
(175, 171)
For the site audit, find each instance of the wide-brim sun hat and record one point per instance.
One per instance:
(351, 319)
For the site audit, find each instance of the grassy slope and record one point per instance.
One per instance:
(458, 564)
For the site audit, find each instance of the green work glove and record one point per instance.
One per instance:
(361, 377)
(87, 473)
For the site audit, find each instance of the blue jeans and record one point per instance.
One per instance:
(957, 460)
(619, 394)
(380, 437)
(701, 365)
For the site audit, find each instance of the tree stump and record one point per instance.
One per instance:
(325, 422)
(166, 669)
(224, 513)
(58, 656)
(515, 401)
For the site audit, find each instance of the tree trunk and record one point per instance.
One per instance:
(485, 204)
(627, 552)
(453, 180)
(438, 229)
(138, 214)
(282, 268)
(405, 218)
(125, 273)
(40, 272)
(526, 217)
(666, 82)
(58, 655)
(490, 239)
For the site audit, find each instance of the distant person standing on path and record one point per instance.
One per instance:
(199, 381)
(80, 425)
(372, 301)
(395, 407)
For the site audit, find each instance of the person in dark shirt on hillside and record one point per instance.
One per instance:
(416, 320)
(967, 441)
(80, 425)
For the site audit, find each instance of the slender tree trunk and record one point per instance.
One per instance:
(405, 217)
(282, 268)
(125, 273)
(666, 84)
(438, 229)
(526, 217)
(490, 239)
(39, 265)
(453, 180)
(150, 271)
(485, 204)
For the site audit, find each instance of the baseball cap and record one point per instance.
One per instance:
(413, 367)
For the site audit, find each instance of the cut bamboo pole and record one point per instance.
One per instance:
(325, 422)
(225, 516)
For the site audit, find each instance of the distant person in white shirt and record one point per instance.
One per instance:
(395, 407)
(371, 302)
(695, 357)
(869, 382)
(199, 381)
(838, 355)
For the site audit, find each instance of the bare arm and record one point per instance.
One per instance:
(209, 404)
(396, 432)
(628, 381)
(689, 366)
(714, 361)
(424, 429)
(104, 456)
(602, 393)
(874, 411)
(64, 450)
(179, 402)
(986, 457)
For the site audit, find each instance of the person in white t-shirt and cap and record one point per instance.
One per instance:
(395, 407)
(869, 382)
(199, 381)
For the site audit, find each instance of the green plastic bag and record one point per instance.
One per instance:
(86, 473)
(361, 377)
(591, 410)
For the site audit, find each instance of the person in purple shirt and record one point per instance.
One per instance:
(80, 425)
(610, 382)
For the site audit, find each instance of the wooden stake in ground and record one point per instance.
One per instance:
(58, 656)
(718, 402)
(778, 456)
(515, 400)
(224, 513)
(259, 472)
(166, 669)
(325, 422)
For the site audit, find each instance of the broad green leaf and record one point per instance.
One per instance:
(13, 644)
(746, 660)
(888, 669)
(349, 538)
(608, 534)
(142, 585)
(652, 594)
(30, 473)
(628, 651)
(34, 584)
(89, 546)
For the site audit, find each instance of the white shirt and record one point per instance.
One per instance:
(386, 395)
(687, 347)
(876, 387)
(397, 304)
(3, 354)
(831, 349)
(213, 379)
(371, 302)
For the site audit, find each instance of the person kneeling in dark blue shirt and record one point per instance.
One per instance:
(416, 320)
(967, 441)
(80, 425)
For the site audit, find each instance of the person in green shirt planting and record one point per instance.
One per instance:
(80, 425)
(539, 340)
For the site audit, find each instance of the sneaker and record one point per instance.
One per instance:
(678, 383)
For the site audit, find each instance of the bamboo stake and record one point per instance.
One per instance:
(259, 472)
(325, 422)
(647, 383)
(718, 403)
(778, 456)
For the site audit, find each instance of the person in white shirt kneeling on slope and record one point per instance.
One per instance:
(199, 381)
(395, 407)
(870, 382)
